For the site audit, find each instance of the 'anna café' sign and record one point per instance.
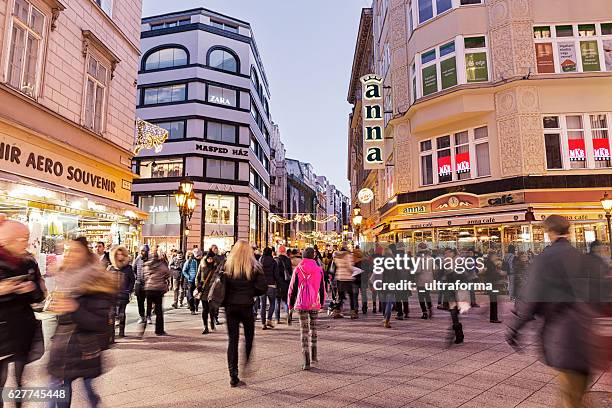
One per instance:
(373, 122)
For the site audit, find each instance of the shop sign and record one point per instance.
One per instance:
(373, 122)
(219, 100)
(416, 209)
(476, 67)
(576, 149)
(444, 166)
(567, 57)
(503, 199)
(601, 149)
(365, 195)
(220, 150)
(590, 56)
(454, 202)
(573, 217)
(463, 162)
(158, 209)
(218, 233)
(33, 161)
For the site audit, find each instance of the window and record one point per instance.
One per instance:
(170, 24)
(439, 68)
(162, 209)
(573, 48)
(259, 153)
(220, 169)
(25, 48)
(224, 26)
(161, 168)
(467, 2)
(222, 96)
(221, 132)
(223, 60)
(476, 59)
(258, 184)
(461, 156)
(577, 141)
(219, 210)
(106, 6)
(166, 58)
(165, 94)
(95, 94)
(176, 130)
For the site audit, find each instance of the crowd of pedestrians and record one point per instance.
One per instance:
(93, 287)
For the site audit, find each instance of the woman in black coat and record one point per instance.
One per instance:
(493, 275)
(85, 314)
(20, 286)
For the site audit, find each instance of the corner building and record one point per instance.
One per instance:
(499, 115)
(67, 87)
(202, 79)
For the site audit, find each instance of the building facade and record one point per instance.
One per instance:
(496, 115)
(67, 115)
(201, 78)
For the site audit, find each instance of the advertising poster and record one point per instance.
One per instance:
(590, 56)
(463, 162)
(607, 48)
(544, 57)
(476, 67)
(444, 166)
(449, 72)
(576, 149)
(567, 57)
(601, 148)
(430, 80)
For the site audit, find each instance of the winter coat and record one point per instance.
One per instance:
(270, 269)
(81, 337)
(156, 275)
(424, 271)
(556, 290)
(285, 272)
(307, 287)
(242, 291)
(344, 266)
(125, 280)
(17, 321)
(176, 266)
(138, 267)
(205, 278)
(190, 269)
(492, 275)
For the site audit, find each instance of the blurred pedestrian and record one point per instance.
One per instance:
(285, 272)
(507, 266)
(388, 276)
(343, 261)
(268, 300)
(204, 279)
(125, 279)
(103, 254)
(307, 295)
(244, 280)
(20, 286)
(190, 270)
(176, 273)
(157, 275)
(84, 304)
(424, 278)
(139, 290)
(494, 276)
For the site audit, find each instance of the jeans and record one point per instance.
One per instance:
(308, 330)
(357, 286)
(424, 299)
(190, 299)
(493, 306)
(279, 304)
(20, 363)
(156, 297)
(179, 290)
(388, 308)
(511, 285)
(345, 287)
(207, 311)
(141, 296)
(92, 397)
(120, 315)
(270, 298)
(403, 309)
(236, 314)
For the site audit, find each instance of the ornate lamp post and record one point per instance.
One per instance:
(186, 202)
(606, 203)
(357, 219)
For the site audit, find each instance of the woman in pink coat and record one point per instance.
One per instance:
(307, 295)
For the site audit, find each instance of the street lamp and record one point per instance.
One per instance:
(186, 202)
(606, 203)
(357, 219)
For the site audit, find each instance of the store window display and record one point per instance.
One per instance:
(219, 221)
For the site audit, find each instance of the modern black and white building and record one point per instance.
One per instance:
(201, 77)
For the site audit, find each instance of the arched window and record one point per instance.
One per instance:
(255, 79)
(166, 58)
(223, 59)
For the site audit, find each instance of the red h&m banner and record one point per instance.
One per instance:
(576, 149)
(463, 162)
(601, 149)
(444, 166)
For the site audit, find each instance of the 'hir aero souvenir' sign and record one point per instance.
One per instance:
(373, 122)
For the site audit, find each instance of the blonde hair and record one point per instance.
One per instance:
(241, 261)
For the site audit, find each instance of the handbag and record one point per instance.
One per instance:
(216, 295)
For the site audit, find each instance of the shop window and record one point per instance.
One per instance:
(161, 168)
(222, 96)
(253, 223)
(224, 60)
(476, 59)
(25, 48)
(577, 141)
(221, 132)
(573, 48)
(166, 58)
(162, 209)
(95, 94)
(462, 156)
(165, 94)
(220, 169)
(219, 210)
(439, 68)
(176, 130)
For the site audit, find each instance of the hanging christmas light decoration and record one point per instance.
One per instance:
(149, 136)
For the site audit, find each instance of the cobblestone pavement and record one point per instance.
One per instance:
(361, 364)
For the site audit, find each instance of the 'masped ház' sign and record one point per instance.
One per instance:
(373, 122)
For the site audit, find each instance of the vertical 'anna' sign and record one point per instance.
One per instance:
(373, 122)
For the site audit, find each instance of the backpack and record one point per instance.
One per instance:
(306, 299)
(216, 294)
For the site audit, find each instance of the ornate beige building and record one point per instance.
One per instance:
(497, 113)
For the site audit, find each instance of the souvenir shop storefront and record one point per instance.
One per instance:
(492, 222)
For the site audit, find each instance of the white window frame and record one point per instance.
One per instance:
(162, 162)
(574, 39)
(13, 20)
(106, 6)
(466, 51)
(588, 139)
(97, 84)
(472, 142)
